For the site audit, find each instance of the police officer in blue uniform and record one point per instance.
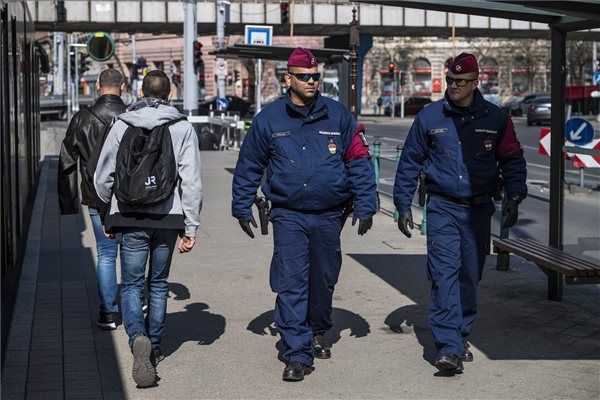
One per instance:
(316, 162)
(461, 144)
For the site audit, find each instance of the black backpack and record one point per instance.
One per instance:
(145, 171)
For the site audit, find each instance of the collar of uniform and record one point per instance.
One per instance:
(317, 109)
(478, 106)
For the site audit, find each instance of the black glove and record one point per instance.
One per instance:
(405, 221)
(245, 224)
(364, 225)
(510, 213)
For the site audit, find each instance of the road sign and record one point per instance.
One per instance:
(544, 147)
(258, 35)
(587, 161)
(222, 103)
(579, 160)
(578, 131)
(597, 77)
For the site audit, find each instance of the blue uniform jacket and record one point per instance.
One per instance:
(461, 151)
(303, 153)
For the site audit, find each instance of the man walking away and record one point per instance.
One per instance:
(83, 142)
(149, 170)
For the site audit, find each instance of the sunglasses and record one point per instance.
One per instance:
(459, 82)
(305, 77)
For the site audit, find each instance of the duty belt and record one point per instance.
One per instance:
(469, 201)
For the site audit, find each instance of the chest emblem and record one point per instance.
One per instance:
(488, 144)
(332, 147)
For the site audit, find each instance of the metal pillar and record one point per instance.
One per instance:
(354, 44)
(58, 88)
(257, 83)
(220, 45)
(76, 81)
(69, 79)
(134, 79)
(557, 167)
(190, 80)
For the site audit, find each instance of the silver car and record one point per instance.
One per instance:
(539, 112)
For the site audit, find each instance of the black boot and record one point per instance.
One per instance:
(320, 348)
(295, 371)
(449, 364)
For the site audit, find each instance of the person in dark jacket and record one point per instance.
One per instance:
(316, 161)
(461, 144)
(82, 144)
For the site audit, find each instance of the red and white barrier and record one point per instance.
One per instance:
(579, 160)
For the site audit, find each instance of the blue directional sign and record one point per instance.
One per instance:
(579, 131)
(222, 103)
(597, 77)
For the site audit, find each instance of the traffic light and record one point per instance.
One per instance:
(236, 75)
(402, 78)
(285, 13)
(84, 64)
(198, 63)
(391, 68)
(61, 11)
(72, 63)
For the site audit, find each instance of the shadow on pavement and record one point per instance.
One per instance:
(342, 320)
(515, 319)
(195, 324)
(180, 291)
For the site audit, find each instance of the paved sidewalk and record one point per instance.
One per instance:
(220, 341)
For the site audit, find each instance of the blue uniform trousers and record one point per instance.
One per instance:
(458, 239)
(304, 270)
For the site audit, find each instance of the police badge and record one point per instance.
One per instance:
(488, 144)
(332, 146)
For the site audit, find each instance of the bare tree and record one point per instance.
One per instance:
(579, 56)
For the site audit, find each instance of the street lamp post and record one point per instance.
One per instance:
(354, 44)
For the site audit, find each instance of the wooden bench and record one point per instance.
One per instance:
(558, 265)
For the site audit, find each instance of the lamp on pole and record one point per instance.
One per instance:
(354, 44)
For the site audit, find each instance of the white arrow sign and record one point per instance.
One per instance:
(577, 134)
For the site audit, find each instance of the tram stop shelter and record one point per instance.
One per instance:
(279, 53)
(562, 17)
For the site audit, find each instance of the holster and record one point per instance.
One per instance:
(263, 214)
(498, 194)
(348, 209)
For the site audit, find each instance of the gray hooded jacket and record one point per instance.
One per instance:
(182, 209)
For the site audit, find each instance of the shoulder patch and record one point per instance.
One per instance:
(363, 139)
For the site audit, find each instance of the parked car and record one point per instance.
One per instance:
(529, 99)
(412, 106)
(512, 106)
(539, 111)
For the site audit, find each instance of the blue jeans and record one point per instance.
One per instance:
(106, 270)
(136, 245)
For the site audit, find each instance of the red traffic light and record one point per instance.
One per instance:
(391, 67)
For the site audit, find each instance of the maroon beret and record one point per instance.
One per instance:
(302, 58)
(464, 63)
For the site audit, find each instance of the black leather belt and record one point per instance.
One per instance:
(470, 201)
